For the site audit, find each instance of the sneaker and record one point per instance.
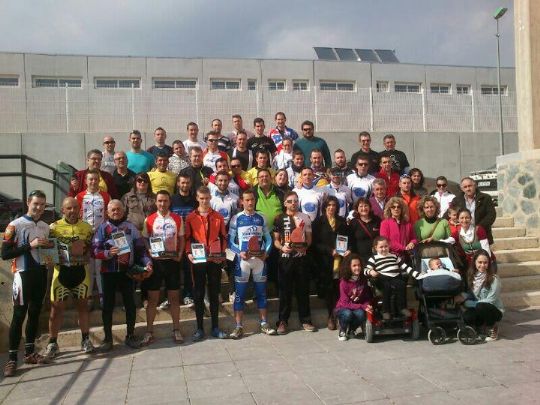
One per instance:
(177, 336)
(198, 335)
(331, 323)
(10, 368)
(386, 316)
(51, 350)
(164, 305)
(267, 330)
(342, 336)
(147, 339)
(237, 333)
(218, 333)
(106, 346)
(35, 358)
(493, 334)
(133, 341)
(282, 328)
(87, 346)
(188, 301)
(308, 327)
(405, 312)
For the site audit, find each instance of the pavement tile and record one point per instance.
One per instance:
(167, 376)
(283, 383)
(156, 394)
(214, 370)
(296, 348)
(240, 399)
(223, 387)
(217, 355)
(514, 394)
(345, 393)
(297, 397)
(317, 361)
(262, 366)
(251, 352)
(439, 398)
(101, 396)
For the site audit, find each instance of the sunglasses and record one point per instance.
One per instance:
(396, 207)
(307, 129)
(361, 164)
(141, 181)
(442, 185)
(109, 142)
(291, 201)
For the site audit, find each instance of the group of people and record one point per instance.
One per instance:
(273, 206)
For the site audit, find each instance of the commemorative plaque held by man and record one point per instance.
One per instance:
(214, 249)
(297, 238)
(254, 247)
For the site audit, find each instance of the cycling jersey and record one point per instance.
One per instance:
(310, 201)
(225, 204)
(360, 185)
(67, 234)
(93, 207)
(210, 158)
(183, 205)
(17, 237)
(277, 136)
(284, 224)
(243, 226)
(169, 228)
(162, 181)
(343, 194)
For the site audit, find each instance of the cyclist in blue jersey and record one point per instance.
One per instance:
(249, 260)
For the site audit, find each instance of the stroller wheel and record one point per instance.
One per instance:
(437, 335)
(368, 332)
(415, 330)
(467, 335)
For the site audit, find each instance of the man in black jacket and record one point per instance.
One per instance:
(480, 205)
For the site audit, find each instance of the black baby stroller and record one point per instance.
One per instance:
(436, 290)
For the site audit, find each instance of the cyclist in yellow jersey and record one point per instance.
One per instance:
(160, 177)
(71, 277)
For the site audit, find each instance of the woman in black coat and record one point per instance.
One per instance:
(326, 228)
(364, 227)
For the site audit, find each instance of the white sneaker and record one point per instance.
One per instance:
(164, 305)
(188, 301)
(87, 346)
(342, 336)
(51, 351)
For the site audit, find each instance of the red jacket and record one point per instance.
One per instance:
(205, 229)
(392, 182)
(81, 177)
(399, 235)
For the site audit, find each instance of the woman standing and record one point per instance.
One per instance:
(326, 229)
(417, 178)
(140, 201)
(397, 228)
(364, 228)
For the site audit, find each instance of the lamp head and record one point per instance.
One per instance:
(500, 12)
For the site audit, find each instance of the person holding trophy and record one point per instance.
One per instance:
(250, 240)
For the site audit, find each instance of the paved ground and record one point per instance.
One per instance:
(298, 368)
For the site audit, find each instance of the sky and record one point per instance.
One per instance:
(446, 32)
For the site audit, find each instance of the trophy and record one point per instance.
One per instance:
(254, 247)
(214, 250)
(297, 238)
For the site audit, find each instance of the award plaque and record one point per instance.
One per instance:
(157, 249)
(254, 247)
(342, 243)
(297, 238)
(214, 250)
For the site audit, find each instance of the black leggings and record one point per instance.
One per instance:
(202, 272)
(33, 285)
(111, 283)
(483, 314)
(392, 286)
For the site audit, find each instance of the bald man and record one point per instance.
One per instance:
(71, 277)
(107, 163)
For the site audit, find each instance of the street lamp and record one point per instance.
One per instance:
(498, 14)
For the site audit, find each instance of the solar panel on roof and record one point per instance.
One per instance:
(325, 53)
(387, 56)
(346, 54)
(367, 55)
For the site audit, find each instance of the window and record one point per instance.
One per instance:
(336, 86)
(103, 83)
(300, 85)
(225, 84)
(382, 87)
(440, 88)
(463, 89)
(175, 83)
(407, 87)
(252, 84)
(9, 81)
(493, 90)
(277, 85)
(56, 82)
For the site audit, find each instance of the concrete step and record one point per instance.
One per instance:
(523, 242)
(508, 270)
(521, 299)
(523, 283)
(508, 232)
(503, 222)
(518, 255)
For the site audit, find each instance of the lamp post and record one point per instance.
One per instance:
(498, 14)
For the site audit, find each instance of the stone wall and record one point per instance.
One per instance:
(519, 185)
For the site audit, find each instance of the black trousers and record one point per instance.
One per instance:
(293, 277)
(112, 282)
(204, 273)
(31, 287)
(483, 314)
(392, 286)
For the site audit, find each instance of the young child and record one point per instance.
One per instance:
(354, 296)
(387, 270)
(284, 158)
(452, 214)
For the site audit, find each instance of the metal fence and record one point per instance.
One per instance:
(86, 109)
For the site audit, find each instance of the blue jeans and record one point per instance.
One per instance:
(349, 319)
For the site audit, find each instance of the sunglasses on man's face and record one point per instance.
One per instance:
(441, 185)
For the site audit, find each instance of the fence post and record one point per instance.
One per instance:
(371, 118)
(315, 106)
(472, 111)
(132, 105)
(258, 102)
(197, 103)
(424, 122)
(66, 107)
(24, 189)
